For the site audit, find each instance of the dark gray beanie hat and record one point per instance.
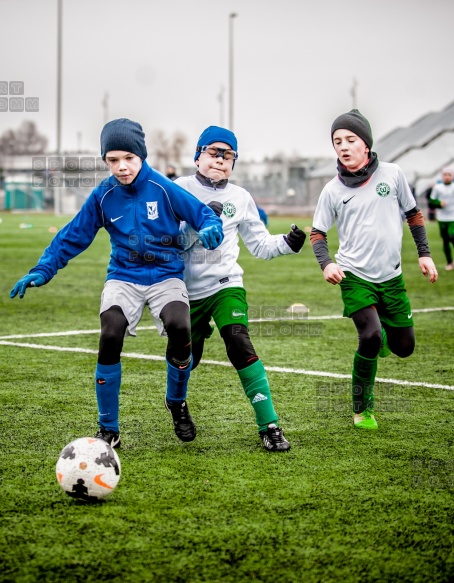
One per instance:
(356, 123)
(123, 134)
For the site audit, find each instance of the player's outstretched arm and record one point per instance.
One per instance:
(295, 239)
(428, 268)
(30, 280)
(211, 237)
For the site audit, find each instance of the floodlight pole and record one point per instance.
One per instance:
(59, 59)
(105, 105)
(221, 106)
(353, 93)
(231, 54)
(58, 189)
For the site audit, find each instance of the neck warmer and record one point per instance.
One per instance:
(209, 182)
(358, 178)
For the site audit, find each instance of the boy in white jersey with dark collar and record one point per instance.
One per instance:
(365, 199)
(214, 280)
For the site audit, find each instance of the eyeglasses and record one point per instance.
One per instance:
(216, 152)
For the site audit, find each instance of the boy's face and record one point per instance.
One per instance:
(123, 165)
(215, 167)
(447, 177)
(350, 149)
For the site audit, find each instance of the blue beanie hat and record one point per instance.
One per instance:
(216, 134)
(123, 134)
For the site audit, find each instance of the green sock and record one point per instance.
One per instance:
(363, 378)
(257, 388)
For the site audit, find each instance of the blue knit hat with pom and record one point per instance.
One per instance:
(123, 134)
(216, 134)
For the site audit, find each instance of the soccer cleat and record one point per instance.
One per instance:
(365, 420)
(384, 350)
(182, 420)
(111, 437)
(273, 439)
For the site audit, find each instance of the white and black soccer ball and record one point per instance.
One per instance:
(88, 469)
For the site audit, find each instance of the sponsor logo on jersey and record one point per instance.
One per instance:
(383, 189)
(345, 201)
(229, 209)
(152, 210)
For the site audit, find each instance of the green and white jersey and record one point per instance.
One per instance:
(207, 272)
(444, 193)
(369, 222)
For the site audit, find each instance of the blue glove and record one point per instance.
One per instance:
(31, 280)
(211, 237)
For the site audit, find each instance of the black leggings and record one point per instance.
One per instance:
(238, 345)
(401, 341)
(447, 240)
(175, 316)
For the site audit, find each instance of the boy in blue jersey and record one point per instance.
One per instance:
(141, 210)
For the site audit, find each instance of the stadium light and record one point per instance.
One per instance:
(59, 43)
(232, 16)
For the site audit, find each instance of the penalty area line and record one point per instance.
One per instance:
(279, 369)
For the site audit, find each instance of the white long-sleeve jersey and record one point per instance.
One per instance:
(444, 193)
(369, 222)
(206, 272)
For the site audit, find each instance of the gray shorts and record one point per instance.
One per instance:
(132, 299)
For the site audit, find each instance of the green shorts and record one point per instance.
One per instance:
(390, 299)
(446, 228)
(227, 306)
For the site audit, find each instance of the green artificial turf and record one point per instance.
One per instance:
(341, 506)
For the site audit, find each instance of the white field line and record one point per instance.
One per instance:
(66, 333)
(5, 340)
(290, 318)
(339, 316)
(299, 371)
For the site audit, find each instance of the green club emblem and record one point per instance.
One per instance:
(383, 189)
(229, 209)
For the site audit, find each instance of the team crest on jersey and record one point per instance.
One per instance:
(152, 210)
(229, 209)
(383, 189)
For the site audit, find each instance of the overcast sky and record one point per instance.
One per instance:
(165, 63)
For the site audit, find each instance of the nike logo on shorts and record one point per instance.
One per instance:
(236, 314)
(409, 316)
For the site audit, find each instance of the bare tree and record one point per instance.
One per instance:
(166, 149)
(25, 140)
(178, 144)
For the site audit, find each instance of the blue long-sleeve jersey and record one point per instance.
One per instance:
(143, 222)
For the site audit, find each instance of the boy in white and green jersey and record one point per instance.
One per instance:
(365, 200)
(442, 198)
(215, 280)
